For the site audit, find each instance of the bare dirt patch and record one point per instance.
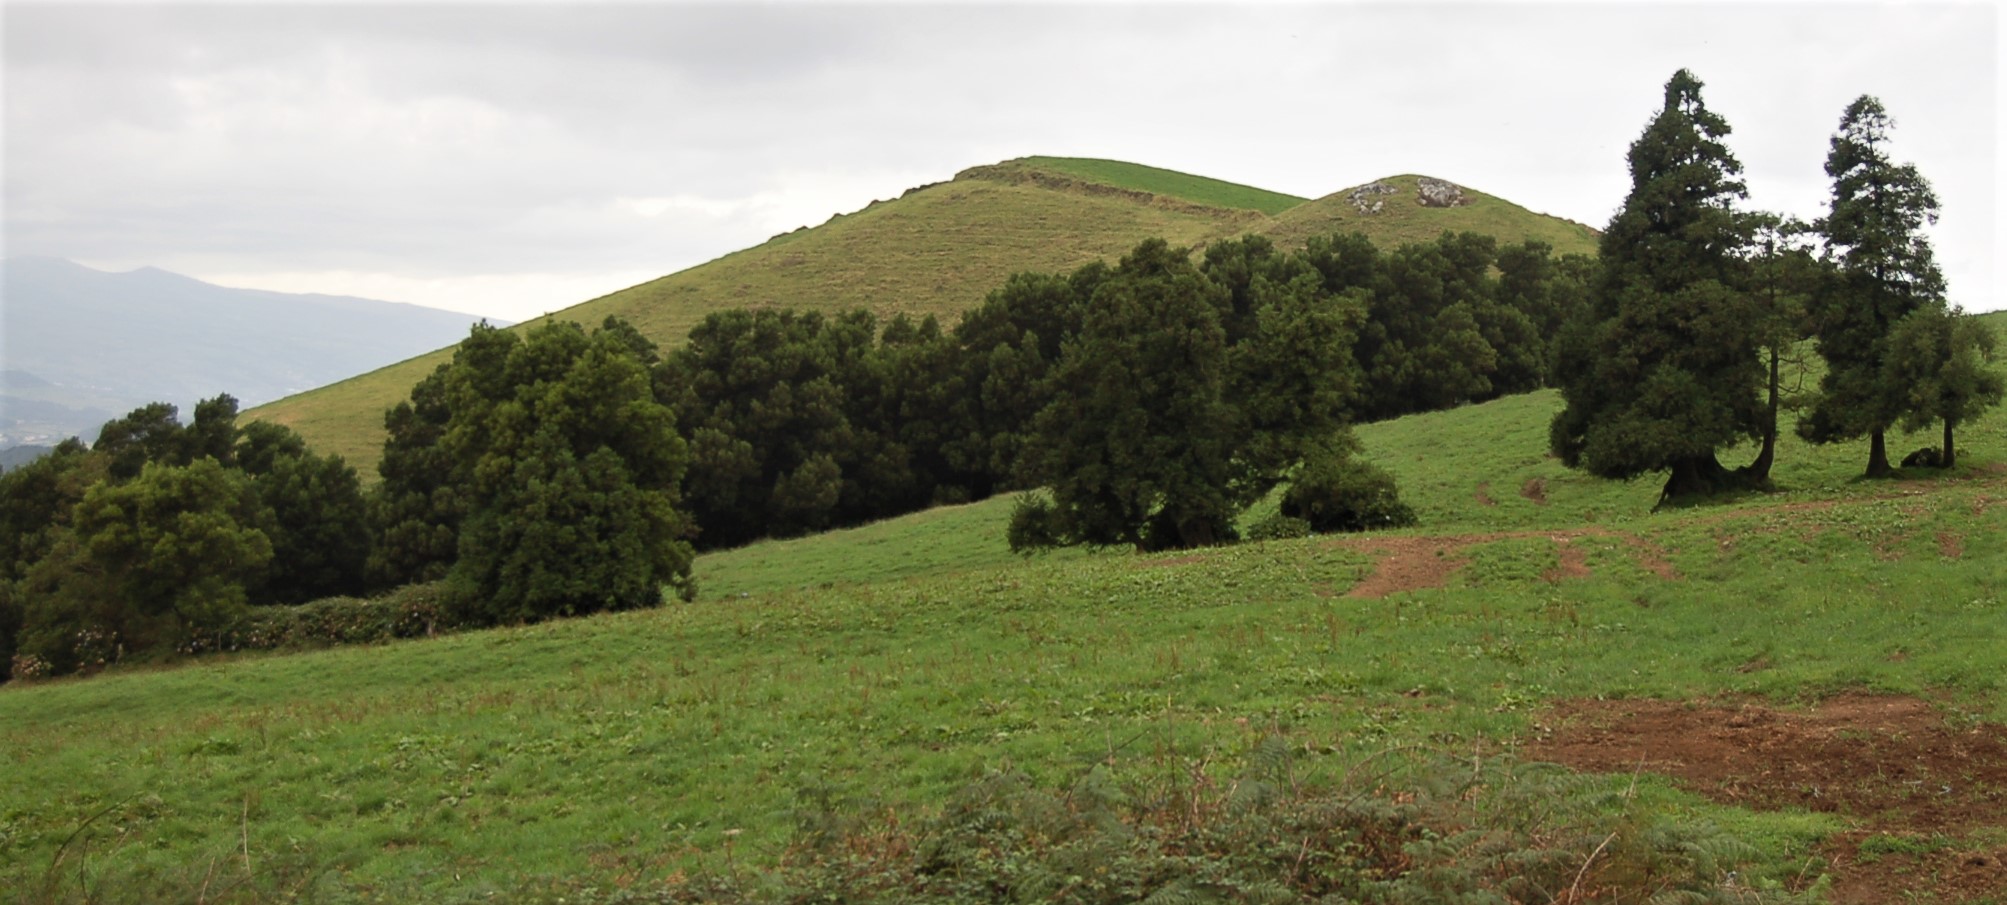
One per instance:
(1950, 545)
(1872, 868)
(1913, 784)
(1574, 561)
(1418, 563)
(1535, 489)
(1483, 494)
(1411, 564)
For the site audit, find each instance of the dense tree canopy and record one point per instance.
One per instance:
(552, 464)
(1145, 442)
(320, 524)
(164, 531)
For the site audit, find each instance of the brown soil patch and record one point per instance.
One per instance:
(1535, 489)
(1950, 545)
(1869, 874)
(1650, 557)
(1483, 495)
(1417, 563)
(1892, 765)
(1574, 561)
(1411, 564)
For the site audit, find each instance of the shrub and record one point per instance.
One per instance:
(1278, 527)
(412, 611)
(1033, 524)
(1335, 493)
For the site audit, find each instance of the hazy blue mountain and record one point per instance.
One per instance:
(80, 346)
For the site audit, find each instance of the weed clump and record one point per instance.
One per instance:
(1450, 830)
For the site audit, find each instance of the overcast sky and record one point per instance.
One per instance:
(514, 159)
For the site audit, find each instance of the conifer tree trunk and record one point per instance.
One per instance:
(1878, 456)
(1950, 457)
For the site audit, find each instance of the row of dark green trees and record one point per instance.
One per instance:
(559, 470)
(1697, 302)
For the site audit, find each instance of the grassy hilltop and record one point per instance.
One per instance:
(1536, 610)
(939, 249)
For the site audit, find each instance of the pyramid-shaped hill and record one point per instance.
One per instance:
(939, 249)
(1402, 209)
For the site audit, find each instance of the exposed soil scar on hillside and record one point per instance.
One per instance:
(1417, 563)
(1950, 545)
(1535, 489)
(1891, 765)
(1483, 494)
(1574, 561)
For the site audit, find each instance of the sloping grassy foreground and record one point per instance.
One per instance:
(894, 663)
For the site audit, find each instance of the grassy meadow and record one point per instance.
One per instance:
(886, 666)
(938, 249)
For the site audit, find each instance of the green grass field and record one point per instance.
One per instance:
(936, 250)
(892, 663)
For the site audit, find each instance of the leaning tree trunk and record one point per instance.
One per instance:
(1878, 456)
(1950, 457)
(1758, 472)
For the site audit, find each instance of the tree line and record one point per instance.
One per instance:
(561, 471)
(1697, 299)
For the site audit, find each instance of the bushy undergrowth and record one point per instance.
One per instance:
(1346, 494)
(412, 611)
(1433, 830)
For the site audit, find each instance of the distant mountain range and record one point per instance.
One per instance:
(80, 346)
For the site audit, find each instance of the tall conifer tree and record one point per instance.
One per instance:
(1885, 270)
(1663, 371)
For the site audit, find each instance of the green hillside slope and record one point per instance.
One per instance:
(881, 668)
(1167, 183)
(937, 249)
(1401, 218)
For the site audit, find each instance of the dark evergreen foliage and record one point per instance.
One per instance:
(1941, 362)
(1662, 370)
(567, 465)
(416, 510)
(1884, 270)
(1336, 492)
(320, 523)
(1162, 429)
(799, 422)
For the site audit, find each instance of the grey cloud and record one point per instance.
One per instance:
(478, 138)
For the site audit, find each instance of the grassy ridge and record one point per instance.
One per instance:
(938, 250)
(890, 663)
(1184, 186)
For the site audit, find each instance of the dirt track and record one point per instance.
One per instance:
(1893, 766)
